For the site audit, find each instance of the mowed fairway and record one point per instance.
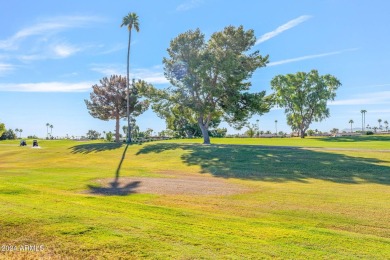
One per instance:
(292, 198)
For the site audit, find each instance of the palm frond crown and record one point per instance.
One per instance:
(131, 20)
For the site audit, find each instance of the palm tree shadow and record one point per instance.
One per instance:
(97, 147)
(276, 164)
(118, 169)
(115, 188)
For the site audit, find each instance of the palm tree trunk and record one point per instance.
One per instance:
(364, 114)
(128, 91)
(117, 128)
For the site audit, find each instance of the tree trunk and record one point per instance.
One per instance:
(205, 131)
(117, 128)
(128, 91)
(302, 133)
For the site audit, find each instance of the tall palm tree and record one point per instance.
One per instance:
(131, 21)
(16, 131)
(363, 111)
(276, 126)
(51, 130)
(387, 125)
(47, 129)
(379, 123)
(20, 133)
(351, 122)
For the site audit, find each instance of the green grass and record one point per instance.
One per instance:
(316, 202)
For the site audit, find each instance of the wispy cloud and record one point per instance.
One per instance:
(282, 28)
(47, 87)
(46, 28)
(152, 75)
(52, 51)
(109, 69)
(112, 49)
(378, 85)
(5, 68)
(308, 57)
(188, 5)
(64, 50)
(380, 111)
(376, 98)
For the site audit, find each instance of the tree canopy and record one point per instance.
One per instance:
(8, 135)
(93, 135)
(109, 100)
(2, 128)
(210, 80)
(304, 97)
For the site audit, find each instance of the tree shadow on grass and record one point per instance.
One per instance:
(278, 164)
(352, 139)
(96, 147)
(115, 188)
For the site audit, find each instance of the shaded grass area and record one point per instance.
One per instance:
(304, 204)
(278, 164)
(376, 142)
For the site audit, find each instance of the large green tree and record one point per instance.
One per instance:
(210, 80)
(109, 100)
(304, 97)
(2, 128)
(130, 21)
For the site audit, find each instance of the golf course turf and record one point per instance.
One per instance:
(276, 198)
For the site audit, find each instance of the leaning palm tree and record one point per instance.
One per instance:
(131, 20)
(351, 122)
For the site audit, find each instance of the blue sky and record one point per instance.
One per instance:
(51, 53)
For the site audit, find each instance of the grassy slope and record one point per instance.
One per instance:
(304, 204)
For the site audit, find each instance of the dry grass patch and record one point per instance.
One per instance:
(175, 185)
